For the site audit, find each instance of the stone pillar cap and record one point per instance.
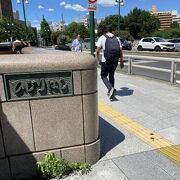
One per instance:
(46, 60)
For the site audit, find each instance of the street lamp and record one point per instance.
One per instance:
(9, 27)
(24, 12)
(8, 32)
(46, 38)
(120, 3)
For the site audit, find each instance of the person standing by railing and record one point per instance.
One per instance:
(76, 44)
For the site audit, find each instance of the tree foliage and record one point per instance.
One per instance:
(45, 32)
(15, 30)
(111, 20)
(19, 32)
(124, 34)
(76, 28)
(168, 33)
(175, 25)
(138, 23)
(141, 23)
(3, 34)
(54, 36)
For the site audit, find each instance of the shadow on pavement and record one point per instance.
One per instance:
(124, 91)
(109, 135)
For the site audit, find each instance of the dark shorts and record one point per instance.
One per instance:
(108, 68)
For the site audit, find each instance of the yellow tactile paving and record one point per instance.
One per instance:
(156, 141)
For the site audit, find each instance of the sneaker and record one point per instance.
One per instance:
(112, 93)
(108, 92)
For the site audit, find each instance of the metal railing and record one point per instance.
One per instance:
(173, 71)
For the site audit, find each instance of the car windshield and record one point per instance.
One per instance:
(122, 40)
(159, 40)
(87, 40)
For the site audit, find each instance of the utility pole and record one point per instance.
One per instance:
(120, 3)
(24, 13)
(92, 32)
(92, 8)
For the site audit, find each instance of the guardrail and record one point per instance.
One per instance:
(173, 71)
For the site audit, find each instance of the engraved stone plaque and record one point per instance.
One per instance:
(38, 85)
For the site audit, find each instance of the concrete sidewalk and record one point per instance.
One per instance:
(139, 131)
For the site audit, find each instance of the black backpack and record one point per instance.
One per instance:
(112, 49)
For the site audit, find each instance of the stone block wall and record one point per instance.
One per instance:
(65, 125)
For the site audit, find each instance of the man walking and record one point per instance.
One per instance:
(112, 51)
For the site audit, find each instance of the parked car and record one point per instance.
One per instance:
(156, 44)
(6, 48)
(176, 42)
(86, 43)
(125, 44)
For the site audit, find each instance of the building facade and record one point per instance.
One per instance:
(176, 17)
(16, 14)
(6, 9)
(166, 18)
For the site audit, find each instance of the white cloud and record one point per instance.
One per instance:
(50, 10)
(76, 7)
(106, 2)
(35, 21)
(36, 25)
(40, 7)
(63, 3)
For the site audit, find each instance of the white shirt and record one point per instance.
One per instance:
(76, 45)
(101, 43)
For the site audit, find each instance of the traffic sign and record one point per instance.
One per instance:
(92, 1)
(92, 7)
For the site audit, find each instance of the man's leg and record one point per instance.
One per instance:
(112, 69)
(111, 78)
(104, 74)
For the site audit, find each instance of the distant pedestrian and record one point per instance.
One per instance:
(111, 52)
(62, 44)
(76, 44)
(132, 42)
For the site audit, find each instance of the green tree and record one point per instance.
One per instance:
(111, 20)
(141, 23)
(175, 25)
(168, 33)
(76, 28)
(15, 29)
(19, 32)
(83, 31)
(45, 32)
(54, 36)
(3, 34)
(124, 34)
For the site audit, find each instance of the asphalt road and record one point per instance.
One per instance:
(165, 76)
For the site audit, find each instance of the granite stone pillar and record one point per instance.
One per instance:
(48, 102)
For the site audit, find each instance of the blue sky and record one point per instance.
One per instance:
(77, 9)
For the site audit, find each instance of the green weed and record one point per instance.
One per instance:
(51, 167)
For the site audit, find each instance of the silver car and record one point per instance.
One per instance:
(176, 42)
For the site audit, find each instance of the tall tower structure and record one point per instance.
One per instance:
(62, 23)
(6, 9)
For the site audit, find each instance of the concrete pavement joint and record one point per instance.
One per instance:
(156, 141)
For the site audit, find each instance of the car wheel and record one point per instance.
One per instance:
(157, 48)
(139, 48)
